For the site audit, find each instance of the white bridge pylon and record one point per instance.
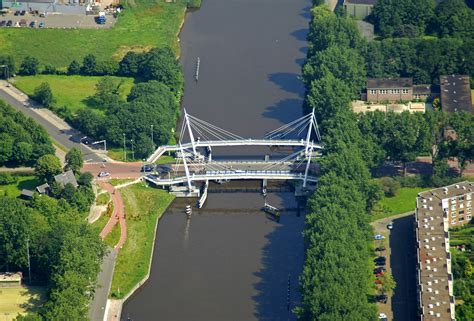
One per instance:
(298, 133)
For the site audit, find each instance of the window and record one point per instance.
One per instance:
(468, 217)
(396, 91)
(461, 212)
(461, 219)
(453, 214)
(404, 91)
(453, 222)
(453, 207)
(373, 91)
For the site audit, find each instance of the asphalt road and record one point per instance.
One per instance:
(97, 306)
(67, 138)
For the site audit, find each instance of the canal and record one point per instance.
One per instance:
(230, 261)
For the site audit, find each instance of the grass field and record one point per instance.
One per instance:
(142, 25)
(69, 91)
(403, 202)
(134, 258)
(20, 300)
(23, 182)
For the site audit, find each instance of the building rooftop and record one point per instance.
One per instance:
(434, 259)
(43, 189)
(456, 93)
(66, 178)
(421, 89)
(26, 193)
(389, 83)
(10, 276)
(369, 2)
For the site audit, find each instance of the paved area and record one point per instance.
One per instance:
(57, 129)
(116, 170)
(104, 281)
(118, 215)
(401, 263)
(59, 20)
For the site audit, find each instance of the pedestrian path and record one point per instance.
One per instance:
(118, 215)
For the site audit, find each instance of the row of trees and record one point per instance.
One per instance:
(423, 59)
(414, 18)
(336, 276)
(22, 141)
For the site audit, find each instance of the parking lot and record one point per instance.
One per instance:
(401, 263)
(55, 20)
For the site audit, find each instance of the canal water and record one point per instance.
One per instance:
(230, 261)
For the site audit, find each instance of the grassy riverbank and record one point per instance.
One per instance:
(142, 25)
(404, 201)
(143, 207)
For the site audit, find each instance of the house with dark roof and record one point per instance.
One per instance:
(66, 178)
(455, 93)
(359, 8)
(389, 89)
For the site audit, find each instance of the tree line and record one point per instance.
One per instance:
(337, 274)
(22, 140)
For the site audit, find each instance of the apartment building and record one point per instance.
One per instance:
(436, 211)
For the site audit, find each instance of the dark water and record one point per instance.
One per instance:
(230, 262)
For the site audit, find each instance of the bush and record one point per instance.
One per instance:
(49, 70)
(7, 178)
(29, 66)
(389, 186)
(44, 95)
(194, 4)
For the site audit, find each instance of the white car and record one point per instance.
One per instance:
(383, 317)
(390, 226)
(104, 174)
(379, 237)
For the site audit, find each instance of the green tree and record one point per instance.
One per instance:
(44, 95)
(74, 68)
(23, 152)
(453, 18)
(6, 148)
(74, 160)
(389, 186)
(7, 60)
(107, 92)
(89, 65)
(130, 64)
(468, 270)
(47, 166)
(388, 283)
(29, 66)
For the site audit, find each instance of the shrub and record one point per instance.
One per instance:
(389, 186)
(7, 178)
(44, 95)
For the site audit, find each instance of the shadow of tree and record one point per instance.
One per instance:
(300, 34)
(284, 109)
(282, 264)
(287, 81)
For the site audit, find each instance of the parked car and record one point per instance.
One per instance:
(379, 237)
(380, 263)
(23, 23)
(380, 249)
(163, 169)
(379, 269)
(17, 13)
(22, 13)
(9, 23)
(104, 174)
(147, 168)
(32, 24)
(380, 258)
(41, 25)
(3, 23)
(381, 298)
(390, 226)
(383, 317)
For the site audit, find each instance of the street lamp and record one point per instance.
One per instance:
(133, 152)
(124, 151)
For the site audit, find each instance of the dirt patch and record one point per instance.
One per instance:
(122, 51)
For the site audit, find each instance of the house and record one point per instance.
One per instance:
(26, 194)
(389, 89)
(455, 93)
(359, 8)
(66, 178)
(43, 189)
(422, 92)
(438, 210)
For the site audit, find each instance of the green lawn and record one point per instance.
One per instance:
(143, 24)
(114, 236)
(165, 159)
(23, 182)
(69, 91)
(102, 199)
(119, 181)
(134, 258)
(403, 202)
(20, 300)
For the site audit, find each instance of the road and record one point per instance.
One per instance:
(97, 306)
(57, 129)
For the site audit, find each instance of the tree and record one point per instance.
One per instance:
(47, 166)
(107, 92)
(29, 66)
(389, 186)
(74, 160)
(23, 152)
(388, 283)
(453, 18)
(468, 270)
(44, 95)
(74, 68)
(85, 179)
(10, 68)
(89, 65)
(130, 64)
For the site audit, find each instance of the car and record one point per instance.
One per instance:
(379, 269)
(17, 13)
(9, 23)
(381, 298)
(163, 169)
(380, 263)
(383, 317)
(390, 226)
(3, 23)
(41, 25)
(22, 13)
(379, 274)
(32, 24)
(380, 259)
(380, 249)
(379, 237)
(104, 174)
(147, 168)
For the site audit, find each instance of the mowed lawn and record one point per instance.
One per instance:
(403, 202)
(20, 300)
(142, 25)
(69, 91)
(143, 207)
(23, 182)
